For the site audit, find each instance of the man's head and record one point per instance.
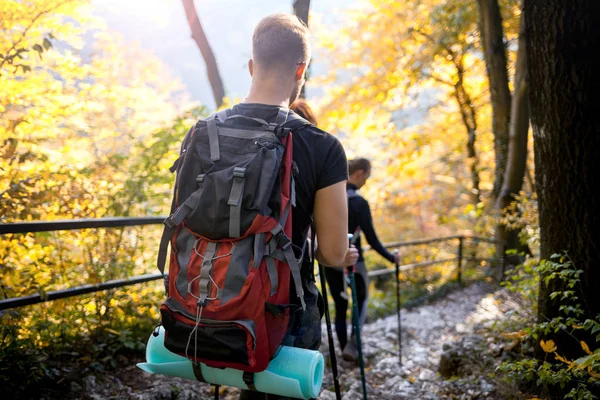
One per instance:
(359, 171)
(281, 52)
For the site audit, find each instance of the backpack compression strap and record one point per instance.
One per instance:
(170, 223)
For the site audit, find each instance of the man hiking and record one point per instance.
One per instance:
(280, 54)
(359, 218)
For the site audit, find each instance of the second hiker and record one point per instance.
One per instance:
(359, 218)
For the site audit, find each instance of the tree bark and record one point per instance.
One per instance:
(209, 57)
(494, 48)
(517, 147)
(562, 39)
(301, 10)
(469, 117)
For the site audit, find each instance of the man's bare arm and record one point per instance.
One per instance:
(331, 225)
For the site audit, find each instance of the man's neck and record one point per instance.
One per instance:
(269, 93)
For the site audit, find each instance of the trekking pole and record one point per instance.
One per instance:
(356, 322)
(217, 387)
(397, 263)
(334, 369)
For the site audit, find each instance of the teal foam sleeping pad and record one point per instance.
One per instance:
(294, 372)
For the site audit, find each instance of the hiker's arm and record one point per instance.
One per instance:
(331, 224)
(365, 221)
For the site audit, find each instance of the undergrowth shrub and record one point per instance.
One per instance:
(555, 376)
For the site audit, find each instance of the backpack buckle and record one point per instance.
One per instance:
(169, 223)
(281, 132)
(239, 172)
(282, 240)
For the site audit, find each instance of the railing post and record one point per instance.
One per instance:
(459, 256)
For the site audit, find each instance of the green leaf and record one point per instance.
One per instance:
(584, 362)
(38, 48)
(47, 44)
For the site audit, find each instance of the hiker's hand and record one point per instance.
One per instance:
(397, 258)
(351, 256)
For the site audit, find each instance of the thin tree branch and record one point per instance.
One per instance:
(33, 21)
(209, 57)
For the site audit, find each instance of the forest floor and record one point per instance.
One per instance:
(428, 331)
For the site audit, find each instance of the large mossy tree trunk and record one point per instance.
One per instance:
(564, 81)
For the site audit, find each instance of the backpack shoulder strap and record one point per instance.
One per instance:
(294, 121)
(223, 114)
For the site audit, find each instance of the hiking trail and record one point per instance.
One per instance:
(425, 330)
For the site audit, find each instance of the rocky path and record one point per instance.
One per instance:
(425, 330)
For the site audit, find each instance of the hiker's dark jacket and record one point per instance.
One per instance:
(359, 215)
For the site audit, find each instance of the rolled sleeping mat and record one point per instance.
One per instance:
(293, 372)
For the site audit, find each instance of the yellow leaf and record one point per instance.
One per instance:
(109, 330)
(577, 326)
(561, 358)
(515, 335)
(593, 373)
(585, 347)
(548, 346)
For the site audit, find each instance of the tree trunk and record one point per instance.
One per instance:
(301, 10)
(209, 58)
(517, 147)
(469, 117)
(563, 81)
(492, 35)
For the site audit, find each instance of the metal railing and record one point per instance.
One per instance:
(50, 226)
(459, 254)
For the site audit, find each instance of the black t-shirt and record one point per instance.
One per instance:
(321, 162)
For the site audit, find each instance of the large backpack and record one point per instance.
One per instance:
(228, 287)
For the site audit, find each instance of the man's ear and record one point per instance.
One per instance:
(300, 70)
(251, 67)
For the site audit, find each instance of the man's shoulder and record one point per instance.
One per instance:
(310, 132)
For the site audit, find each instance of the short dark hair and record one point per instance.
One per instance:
(359, 164)
(302, 108)
(280, 41)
